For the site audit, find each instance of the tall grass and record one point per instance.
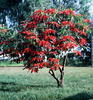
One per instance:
(18, 84)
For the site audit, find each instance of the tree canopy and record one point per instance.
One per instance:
(48, 34)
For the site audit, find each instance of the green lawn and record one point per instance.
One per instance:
(18, 84)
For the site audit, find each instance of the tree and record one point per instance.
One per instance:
(48, 33)
(7, 8)
(17, 10)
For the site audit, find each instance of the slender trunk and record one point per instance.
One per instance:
(92, 49)
(62, 72)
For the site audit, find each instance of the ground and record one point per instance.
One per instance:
(18, 84)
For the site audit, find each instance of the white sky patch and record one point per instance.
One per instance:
(8, 21)
(91, 8)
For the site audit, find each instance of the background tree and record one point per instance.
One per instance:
(48, 33)
(18, 10)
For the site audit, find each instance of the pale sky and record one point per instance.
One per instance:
(91, 7)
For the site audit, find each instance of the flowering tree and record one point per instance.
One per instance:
(48, 34)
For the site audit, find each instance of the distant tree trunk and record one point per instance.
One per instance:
(92, 49)
(60, 82)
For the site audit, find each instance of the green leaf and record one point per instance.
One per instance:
(33, 43)
(59, 1)
(41, 1)
(63, 31)
(84, 47)
(71, 8)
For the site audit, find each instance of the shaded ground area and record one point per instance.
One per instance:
(80, 96)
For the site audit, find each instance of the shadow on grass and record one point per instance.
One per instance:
(14, 87)
(80, 96)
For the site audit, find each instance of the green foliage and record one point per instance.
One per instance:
(5, 35)
(78, 62)
(8, 8)
(6, 63)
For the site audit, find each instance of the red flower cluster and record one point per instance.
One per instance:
(87, 20)
(77, 52)
(82, 41)
(47, 31)
(4, 30)
(66, 12)
(50, 11)
(53, 23)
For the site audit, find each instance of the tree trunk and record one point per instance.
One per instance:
(92, 49)
(62, 72)
(60, 82)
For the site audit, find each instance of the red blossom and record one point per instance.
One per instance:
(50, 11)
(44, 43)
(2, 42)
(82, 41)
(66, 22)
(44, 64)
(79, 15)
(65, 38)
(66, 46)
(56, 66)
(53, 60)
(31, 25)
(4, 30)
(26, 50)
(39, 16)
(87, 20)
(72, 28)
(67, 12)
(77, 52)
(70, 45)
(53, 38)
(39, 11)
(47, 31)
(52, 52)
(36, 58)
(82, 33)
(41, 53)
(33, 37)
(55, 23)
(34, 70)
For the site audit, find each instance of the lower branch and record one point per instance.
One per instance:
(51, 72)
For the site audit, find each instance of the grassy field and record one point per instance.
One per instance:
(18, 84)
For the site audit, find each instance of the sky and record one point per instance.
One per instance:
(91, 8)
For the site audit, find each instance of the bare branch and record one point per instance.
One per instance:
(53, 74)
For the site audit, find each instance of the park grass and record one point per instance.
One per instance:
(18, 84)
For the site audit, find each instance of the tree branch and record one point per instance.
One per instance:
(51, 72)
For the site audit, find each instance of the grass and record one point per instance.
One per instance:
(18, 84)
